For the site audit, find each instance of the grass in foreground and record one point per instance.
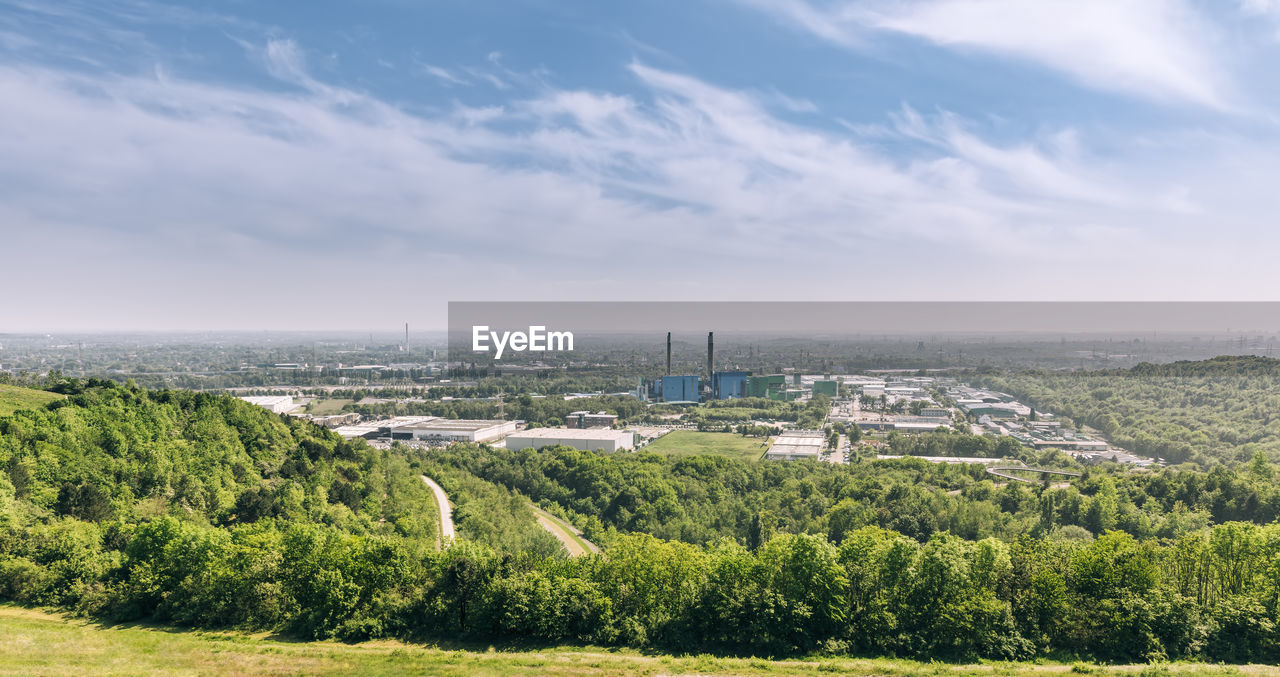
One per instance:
(40, 643)
(14, 398)
(690, 443)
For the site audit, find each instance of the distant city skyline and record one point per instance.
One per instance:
(336, 166)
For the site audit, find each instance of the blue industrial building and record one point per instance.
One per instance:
(726, 385)
(680, 388)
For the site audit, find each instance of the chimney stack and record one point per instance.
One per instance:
(711, 350)
(668, 353)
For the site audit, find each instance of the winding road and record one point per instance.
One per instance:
(446, 513)
(569, 536)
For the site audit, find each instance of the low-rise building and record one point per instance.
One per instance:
(596, 439)
(448, 430)
(586, 419)
(795, 445)
(336, 420)
(1077, 444)
(279, 404)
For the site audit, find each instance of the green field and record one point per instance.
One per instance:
(39, 643)
(690, 443)
(327, 407)
(13, 398)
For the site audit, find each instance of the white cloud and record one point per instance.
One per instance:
(194, 194)
(443, 74)
(1157, 49)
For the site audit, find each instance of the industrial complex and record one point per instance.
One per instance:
(585, 439)
(877, 405)
(280, 404)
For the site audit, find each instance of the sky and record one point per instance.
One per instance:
(335, 165)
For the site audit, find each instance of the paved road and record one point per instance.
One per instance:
(1004, 472)
(446, 512)
(561, 530)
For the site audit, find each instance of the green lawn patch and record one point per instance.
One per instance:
(690, 443)
(14, 398)
(327, 407)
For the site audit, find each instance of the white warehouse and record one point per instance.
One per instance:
(448, 430)
(280, 404)
(796, 445)
(587, 439)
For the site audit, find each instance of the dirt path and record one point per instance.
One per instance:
(564, 532)
(446, 513)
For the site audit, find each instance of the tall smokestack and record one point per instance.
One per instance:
(668, 353)
(406, 337)
(711, 351)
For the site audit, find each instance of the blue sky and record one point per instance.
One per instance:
(346, 165)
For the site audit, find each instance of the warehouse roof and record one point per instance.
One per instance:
(447, 424)
(574, 433)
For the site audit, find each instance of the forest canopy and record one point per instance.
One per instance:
(201, 510)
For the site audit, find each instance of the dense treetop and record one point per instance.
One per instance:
(202, 510)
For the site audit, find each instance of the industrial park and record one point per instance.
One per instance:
(880, 405)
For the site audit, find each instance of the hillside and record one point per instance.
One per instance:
(703, 499)
(14, 398)
(1222, 410)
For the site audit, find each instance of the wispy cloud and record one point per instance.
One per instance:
(563, 190)
(1158, 49)
(443, 74)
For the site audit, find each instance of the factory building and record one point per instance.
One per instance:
(447, 430)
(828, 388)
(369, 429)
(586, 419)
(1077, 444)
(796, 445)
(279, 404)
(587, 440)
(336, 420)
(761, 386)
(935, 412)
(680, 388)
(999, 410)
(727, 385)
(873, 390)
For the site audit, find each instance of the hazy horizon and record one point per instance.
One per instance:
(794, 318)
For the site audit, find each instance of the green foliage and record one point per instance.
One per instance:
(204, 511)
(490, 514)
(1221, 410)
